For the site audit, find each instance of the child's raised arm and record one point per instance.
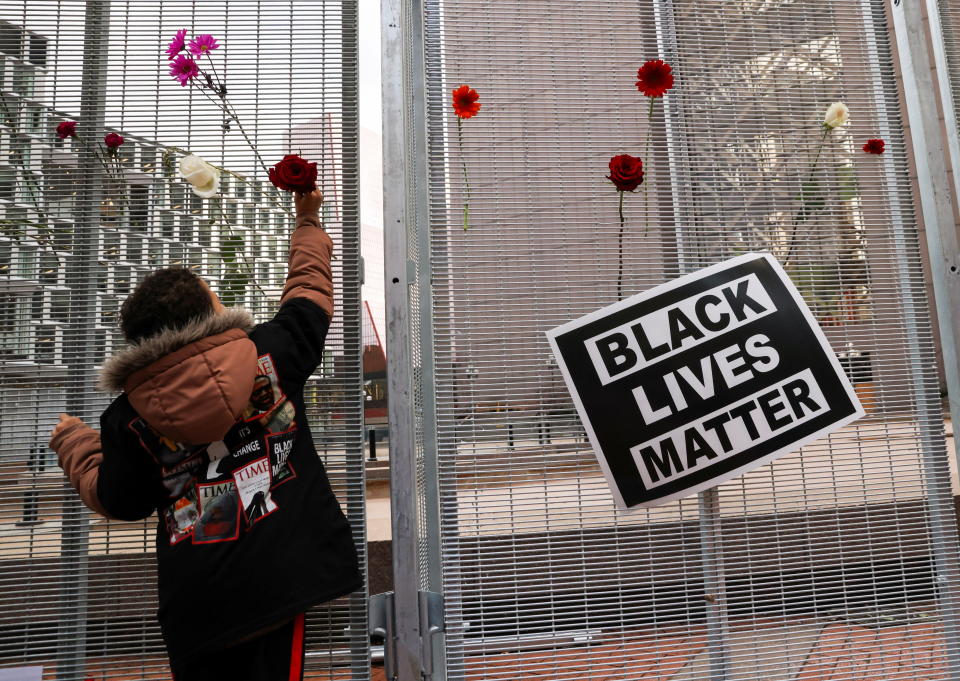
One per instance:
(311, 248)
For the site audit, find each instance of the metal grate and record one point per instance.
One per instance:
(853, 539)
(77, 592)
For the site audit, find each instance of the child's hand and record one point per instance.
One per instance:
(66, 422)
(308, 204)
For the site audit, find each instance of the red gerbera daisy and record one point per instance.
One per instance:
(874, 146)
(655, 78)
(465, 102)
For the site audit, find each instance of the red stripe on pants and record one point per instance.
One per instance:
(296, 654)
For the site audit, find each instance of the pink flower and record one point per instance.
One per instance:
(177, 44)
(184, 69)
(67, 129)
(202, 44)
(113, 140)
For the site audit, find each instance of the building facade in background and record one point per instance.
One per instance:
(154, 220)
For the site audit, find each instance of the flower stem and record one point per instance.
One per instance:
(228, 109)
(646, 142)
(799, 217)
(620, 255)
(823, 139)
(253, 276)
(466, 179)
(647, 165)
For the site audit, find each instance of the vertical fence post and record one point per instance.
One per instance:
(352, 334)
(79, 348)
(429, 125)
(688, 259)
(399, 136)
(943, 244)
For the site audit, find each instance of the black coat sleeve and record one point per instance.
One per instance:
(129, 485)
(295, 338)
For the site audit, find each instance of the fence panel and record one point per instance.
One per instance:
(77, 592)
(841, 556)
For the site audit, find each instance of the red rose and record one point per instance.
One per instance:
(67, 129)
(465, 103)
(294, 174)
(626, 172)
(654, 78)
(113, 140)
(874, 146)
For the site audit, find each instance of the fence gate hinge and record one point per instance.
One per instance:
(381, 619)
(431, 624)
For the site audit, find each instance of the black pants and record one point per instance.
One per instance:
(274, 656)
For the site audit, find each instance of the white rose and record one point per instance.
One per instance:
(837, 114)
(203, 177)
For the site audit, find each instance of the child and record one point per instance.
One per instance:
(210, 432)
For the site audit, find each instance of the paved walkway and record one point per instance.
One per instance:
(799, 651)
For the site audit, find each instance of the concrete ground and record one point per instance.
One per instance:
(908, 648)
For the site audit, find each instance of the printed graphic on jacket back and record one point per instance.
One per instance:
(211, 486)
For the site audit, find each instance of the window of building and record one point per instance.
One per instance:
(33, 119)
(9, 110)
(176, 196)
(7, 183)
(36, 301)
(155, 254)
(24, 80)
(111, 245)
(37, 50)
(11, 40)
(186, 229)
(49, 268)
(26, 265)
(134, 248)
(139, 205)
(60, 305)
(63, 236)
(176, 255)
(20, 151)
(46, 344)
(167, 225)
(100, 278)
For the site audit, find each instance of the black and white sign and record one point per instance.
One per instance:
(701, 379)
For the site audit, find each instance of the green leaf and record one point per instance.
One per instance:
(848, 187)
(811, 196)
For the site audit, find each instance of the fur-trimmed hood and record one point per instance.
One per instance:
(190, 384)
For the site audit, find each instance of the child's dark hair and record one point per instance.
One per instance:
(169, 298)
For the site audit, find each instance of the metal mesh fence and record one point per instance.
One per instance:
(841, 556)
(79, 227)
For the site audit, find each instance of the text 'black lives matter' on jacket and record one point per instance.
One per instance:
(210, 432)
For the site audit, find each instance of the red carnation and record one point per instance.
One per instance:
(655, 78)
(874, 146)
(465, 102)
(294, 174)
(67, 129)
(113, 140)
(626, 172)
